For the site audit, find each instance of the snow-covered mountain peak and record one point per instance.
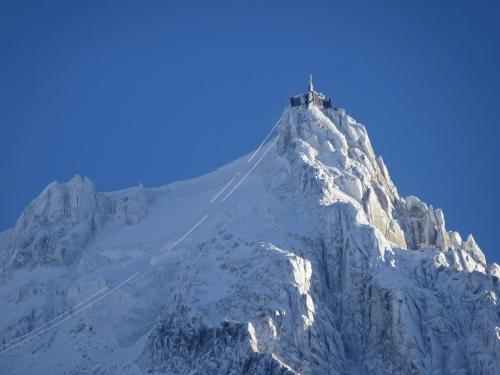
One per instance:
(55, 227)
(331, 139)
(300, 258)
(331, 158)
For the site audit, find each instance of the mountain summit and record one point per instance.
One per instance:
(299, 258)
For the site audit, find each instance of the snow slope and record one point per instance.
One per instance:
(303, 260)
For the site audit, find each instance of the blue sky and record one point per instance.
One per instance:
(153, 92)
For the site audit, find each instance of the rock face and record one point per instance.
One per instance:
(304, 260)
(184, 344)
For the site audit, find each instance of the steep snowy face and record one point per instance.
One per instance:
(331, 159)
(299, 259)
(56, 227)
(366, 227)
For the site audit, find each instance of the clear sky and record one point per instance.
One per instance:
(153, 92)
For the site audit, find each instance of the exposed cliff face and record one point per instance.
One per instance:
(313, 264)
(183, 343)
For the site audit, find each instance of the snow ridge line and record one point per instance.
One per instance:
(72, 315)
